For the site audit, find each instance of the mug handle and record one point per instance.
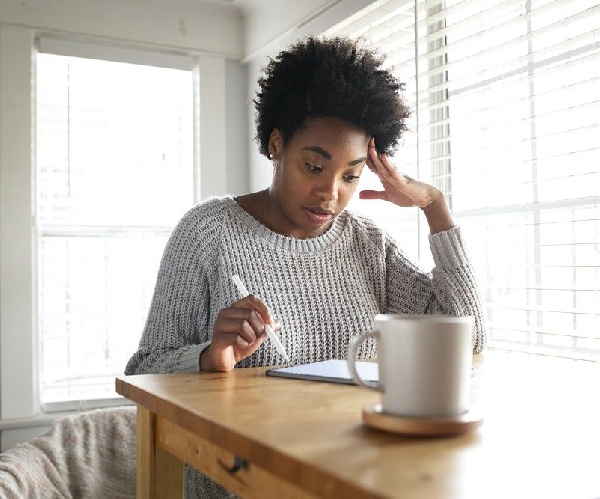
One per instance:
(352, 351)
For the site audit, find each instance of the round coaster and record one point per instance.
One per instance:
(374, 416)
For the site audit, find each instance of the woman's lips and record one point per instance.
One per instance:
(318, 215)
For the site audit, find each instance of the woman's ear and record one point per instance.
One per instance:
(275, 144)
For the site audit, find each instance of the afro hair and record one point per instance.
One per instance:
(335, 77)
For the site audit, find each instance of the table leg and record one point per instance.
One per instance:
(159, 473)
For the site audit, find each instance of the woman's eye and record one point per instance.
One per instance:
(313, 168)
(351, 178)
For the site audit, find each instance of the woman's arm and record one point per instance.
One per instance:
(451, 288)
(175, 332)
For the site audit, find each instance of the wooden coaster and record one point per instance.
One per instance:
(422, 427)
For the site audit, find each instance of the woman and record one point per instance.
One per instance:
(317, 273)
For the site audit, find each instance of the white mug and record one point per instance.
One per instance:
(424, 364)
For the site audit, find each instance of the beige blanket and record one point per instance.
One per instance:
(89, 455)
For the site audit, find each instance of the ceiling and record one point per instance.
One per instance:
(242, 5)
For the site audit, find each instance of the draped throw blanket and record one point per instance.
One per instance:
(88, 455)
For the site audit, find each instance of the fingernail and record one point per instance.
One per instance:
(242, 342)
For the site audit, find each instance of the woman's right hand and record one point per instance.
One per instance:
(237, 333)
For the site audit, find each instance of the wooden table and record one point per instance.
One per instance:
(273, 437)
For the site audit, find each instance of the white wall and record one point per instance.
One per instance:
(16, 214)
(196, 26)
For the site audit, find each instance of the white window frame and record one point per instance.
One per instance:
(50, 233)
(19, 378)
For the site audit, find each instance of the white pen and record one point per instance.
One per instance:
(270, 333)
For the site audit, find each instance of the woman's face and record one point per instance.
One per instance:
(315, 175)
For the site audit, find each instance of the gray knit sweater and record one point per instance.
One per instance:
(323, 290)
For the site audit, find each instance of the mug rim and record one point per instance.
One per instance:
(425, 317)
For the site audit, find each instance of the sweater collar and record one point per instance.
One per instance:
(279, 241)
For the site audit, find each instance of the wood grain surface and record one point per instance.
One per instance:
(540, 436)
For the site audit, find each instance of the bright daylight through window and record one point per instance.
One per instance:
(506, 99)
(114, 174)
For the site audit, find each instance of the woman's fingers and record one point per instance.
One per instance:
(253, 302)
(380, 164)
(371, 194)
(238, 331)
(244, 322)
(398, 188)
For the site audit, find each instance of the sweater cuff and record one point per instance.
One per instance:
(189, 360)
(448, 249)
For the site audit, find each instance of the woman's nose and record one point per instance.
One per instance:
(328, 189)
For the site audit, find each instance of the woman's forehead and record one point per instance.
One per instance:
(324, 134)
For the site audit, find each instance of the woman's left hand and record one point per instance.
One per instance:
(398, 188)
(405, 191)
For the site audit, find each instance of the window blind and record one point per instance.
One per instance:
(114, 174)
(506, 97)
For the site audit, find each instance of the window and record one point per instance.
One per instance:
(114, 174)
(506, 98)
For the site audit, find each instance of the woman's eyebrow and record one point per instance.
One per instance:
(357, 161)
(318, 150)
(327, 155)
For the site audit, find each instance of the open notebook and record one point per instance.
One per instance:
(332, 371)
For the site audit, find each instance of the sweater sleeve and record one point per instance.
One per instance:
(176, 330)
(450, 289)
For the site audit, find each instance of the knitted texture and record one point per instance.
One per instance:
(323, 290)
(89, 455)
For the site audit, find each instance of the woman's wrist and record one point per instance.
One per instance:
(437, 214)
(204, 363)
